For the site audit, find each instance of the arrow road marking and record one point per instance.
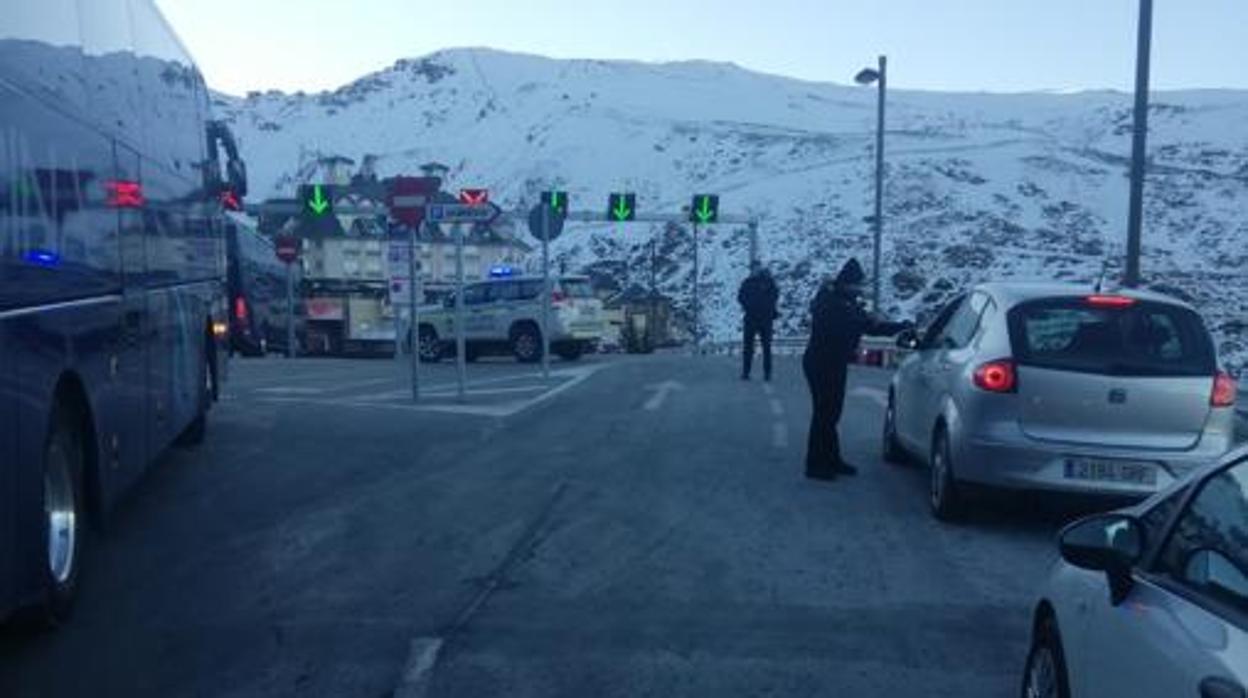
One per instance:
(661, 391)
(319, 203)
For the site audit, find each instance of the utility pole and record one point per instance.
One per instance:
(879, 189)
(697, 296)
(1139, 142)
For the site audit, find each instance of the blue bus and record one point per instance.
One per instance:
(112, 298)
(256, 282)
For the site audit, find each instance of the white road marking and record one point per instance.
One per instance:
(500, 410)
(875, 394)
(483, 391)
(777, 409)
(779, 435)
(418, 670)
(290, 391)
(661, 391)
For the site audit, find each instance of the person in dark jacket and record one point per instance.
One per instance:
(758, 296)
(838, 322)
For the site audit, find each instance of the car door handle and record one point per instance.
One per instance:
(1219, 687)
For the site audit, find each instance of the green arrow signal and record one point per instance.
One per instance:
(621, 210)
(704, 212)
(318, 203)
(554, 200)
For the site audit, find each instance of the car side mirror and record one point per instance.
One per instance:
(908, 339)
(1109, 543)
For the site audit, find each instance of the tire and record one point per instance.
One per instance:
(471, 354)
(891, 450)
(430, 345)
(571, 352)
(944, 497)
(526, 344)
(1044, 675)
(197, 430)
(64, 519)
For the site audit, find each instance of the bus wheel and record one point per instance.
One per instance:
(195, 432)
(64, 516)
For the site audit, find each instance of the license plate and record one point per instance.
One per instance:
(1126, 472)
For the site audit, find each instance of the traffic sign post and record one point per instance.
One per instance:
(461, 359)
(413, 314)
(697, 296)
(547, 290)
(286, 247)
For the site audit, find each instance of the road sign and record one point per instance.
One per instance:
(474, 197)
(407, 197)
(400, 293)
(552, 218)
(286, 247)
(316, 200)
(622, 207)
(705, 209)
(459, 213)
(557, 200)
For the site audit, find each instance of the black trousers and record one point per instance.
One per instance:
(762, 330)
(827, 395)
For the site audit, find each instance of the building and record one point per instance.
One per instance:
(641, 319)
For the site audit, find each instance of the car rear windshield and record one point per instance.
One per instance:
(576, 288)
(1142, 338)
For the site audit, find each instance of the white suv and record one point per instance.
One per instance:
(504, 316)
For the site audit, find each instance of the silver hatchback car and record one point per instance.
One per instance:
(1150, 601)
(1054, 387)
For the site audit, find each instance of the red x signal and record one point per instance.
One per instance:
(123, 194)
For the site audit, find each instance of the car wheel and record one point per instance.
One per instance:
(945, 500)
(197, 430)
(64, 516)
(526, 344)
(1045, 673)
(430, 345)
(892, 450)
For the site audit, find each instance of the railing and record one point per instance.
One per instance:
(873, 351)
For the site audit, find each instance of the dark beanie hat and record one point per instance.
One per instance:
(851, 274)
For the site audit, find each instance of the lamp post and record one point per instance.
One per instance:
(866, 76)
(1135, 212)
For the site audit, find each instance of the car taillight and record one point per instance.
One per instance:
(240, 308)
(1224, 388)
(1099, 300)
(557, 297)
(996, 377)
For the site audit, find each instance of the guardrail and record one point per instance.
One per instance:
(873, 351)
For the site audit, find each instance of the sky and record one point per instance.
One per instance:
(964, 45)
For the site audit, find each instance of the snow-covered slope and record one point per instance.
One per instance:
(978, 186)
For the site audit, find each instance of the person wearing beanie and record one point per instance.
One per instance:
(758, 296)
(838, 322)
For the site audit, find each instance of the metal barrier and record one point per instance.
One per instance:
(873, 351)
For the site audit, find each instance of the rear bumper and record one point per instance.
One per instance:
(1008, 458)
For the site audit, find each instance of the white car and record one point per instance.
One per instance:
(503, 316)
(1150, 601)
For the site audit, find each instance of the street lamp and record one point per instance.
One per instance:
(866, 76)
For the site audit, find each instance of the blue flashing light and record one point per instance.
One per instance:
(502, 271)
(43, 258)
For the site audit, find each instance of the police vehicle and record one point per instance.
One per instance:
(503, 316)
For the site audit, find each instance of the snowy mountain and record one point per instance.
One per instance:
(979, 186)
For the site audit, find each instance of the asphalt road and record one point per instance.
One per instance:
(628, 527)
